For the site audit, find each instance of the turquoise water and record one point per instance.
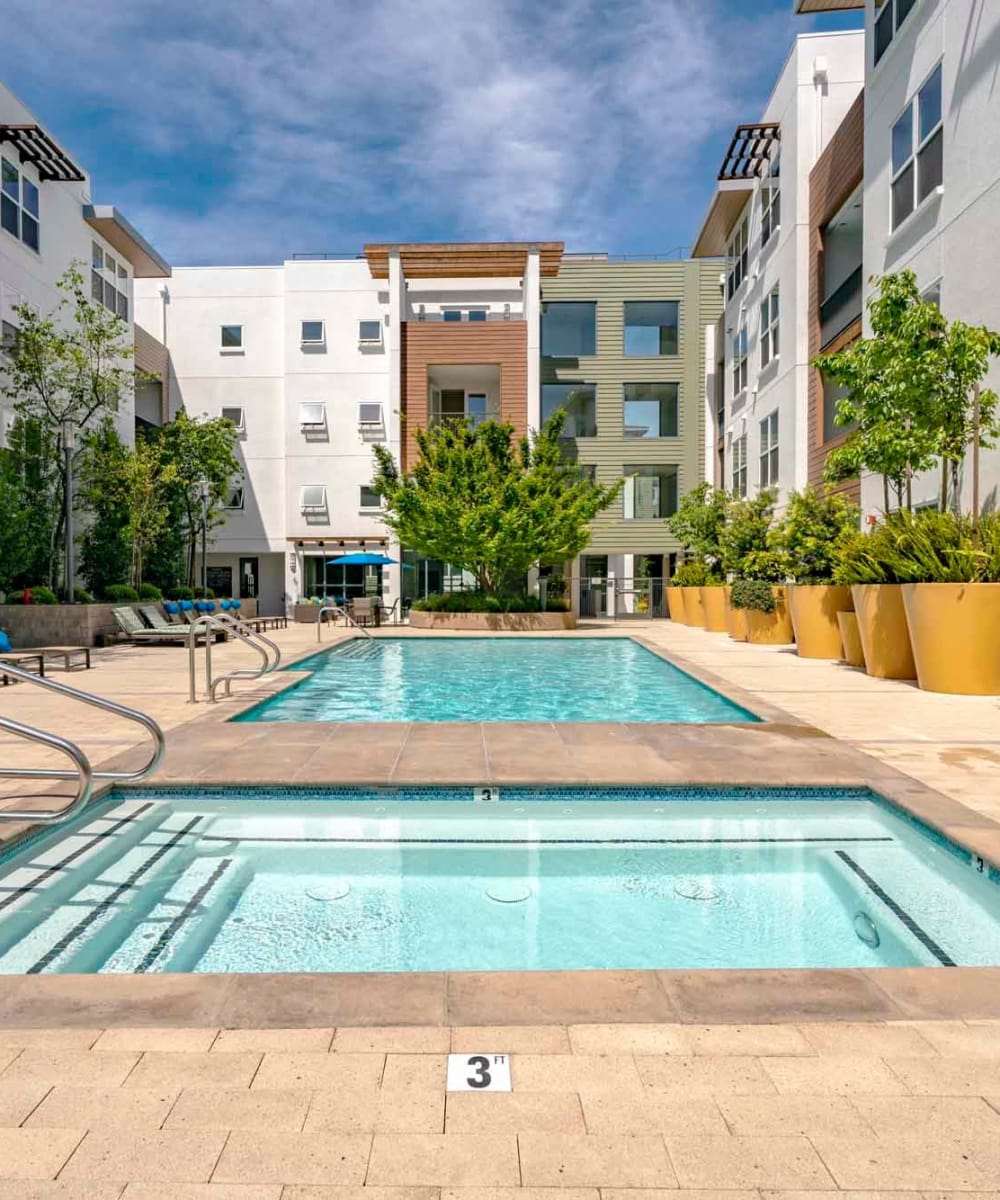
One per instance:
(495, 679)
(430, 880)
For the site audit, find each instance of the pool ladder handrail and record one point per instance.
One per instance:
(339, 610)
(208, 622)
(83, 771)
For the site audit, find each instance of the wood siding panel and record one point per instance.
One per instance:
(150, 354)
(837, 172)
(501, 343)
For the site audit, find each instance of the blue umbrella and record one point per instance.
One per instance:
(361, 560)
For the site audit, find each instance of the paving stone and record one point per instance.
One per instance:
(557, 998)
(783, 1116)
(947, 1076)
(261, 1040)
(524, 1193)
(255, 1157)
(944, 1117)
(401, 1110)
(742, 1162)
(510, 1039)
(166, 1156)
(36, 1153)
(691, 1076)
(203, 1191)
(861, 1038)
(309, 1192)
(48, 1039)
(836, 1075)
(18, 1100)
(314, 1070)
(38, 1189)
(399, 1039)
(573, 1073)
(957, 1038)
(103, 1108)
(439, 1160)
(593, 1160)
(181, 1069)
(628, 1039)
(651, 1112)
(156, 1038)
(513, 1112)
(901, 1163)
(746, 1039)
(83, 1068)
(239, 1108)
(427, 1072)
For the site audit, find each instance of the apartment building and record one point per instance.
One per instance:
(48, 221)
(757, 232)
(931, 169)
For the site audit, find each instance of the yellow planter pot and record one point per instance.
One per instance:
(813, 609)
(736, 619)
(675, 604)
(713, 605)
(854, 654)
(771, 629)
(955, 633)
(884, 633)
(694, 614)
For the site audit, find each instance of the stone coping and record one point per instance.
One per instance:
(492, 622)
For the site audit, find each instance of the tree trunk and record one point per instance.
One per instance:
(956, 499)
(885, 494)
(944, 485)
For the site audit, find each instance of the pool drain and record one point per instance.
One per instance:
(691, 889)
(866, 929)
(515, 893)
(326, 893)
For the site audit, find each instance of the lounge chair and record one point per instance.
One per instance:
(127, 620)
(157, 620)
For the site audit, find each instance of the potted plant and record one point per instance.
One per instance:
(698, 525)
(864, 564)
(762, 599)
(689, 579)
(814, 523)
(675, 599)
(744, 534)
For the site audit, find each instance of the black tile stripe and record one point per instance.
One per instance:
(165, 938)
(897, 910)
(64, 862)
(100, 909)
(495, 841)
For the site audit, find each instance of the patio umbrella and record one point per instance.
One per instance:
(361, 559)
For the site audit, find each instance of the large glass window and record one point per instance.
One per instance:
(769, 341)
(832, 393)
(650, 410)
(770, 200)
(569, 328)
(918, 149)
(740, 361)
(18, 204)
(738, 255)
(889, 15)
(580, 402)
(651, 328)
(108, 281)
(739, 464)
(769, 451)
(650, 492)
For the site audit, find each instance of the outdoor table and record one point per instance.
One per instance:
(19, 659)
(74, 658)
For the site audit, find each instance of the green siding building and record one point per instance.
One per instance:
(623, 349)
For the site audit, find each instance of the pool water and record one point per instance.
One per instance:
(431, 880)
(495, 679)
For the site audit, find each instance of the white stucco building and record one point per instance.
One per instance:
(758, 225)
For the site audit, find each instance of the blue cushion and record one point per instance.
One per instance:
(225, 605)
(236, 604)
(186, 606)
(171, 606)
(5, 645)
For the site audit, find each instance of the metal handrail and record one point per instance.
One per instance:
(84, 772)
(112, 706)
(243, 627)
(209, 621)
(336, 608)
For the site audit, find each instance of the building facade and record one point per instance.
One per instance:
(757, 230)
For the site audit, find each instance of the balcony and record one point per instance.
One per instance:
(844, 305)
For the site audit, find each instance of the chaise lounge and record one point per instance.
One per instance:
(127, 620)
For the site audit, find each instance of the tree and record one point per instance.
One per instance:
(475, 500)
(146, 474)
(105, 554)
(15, 526)
(699, 522)
(744, 542)
(814, 526)
(197, 450)
(64, 368)
(893, 383)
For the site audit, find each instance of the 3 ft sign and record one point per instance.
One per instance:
(479, 1073)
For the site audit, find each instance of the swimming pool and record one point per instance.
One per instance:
(495, 679)
(430, 879)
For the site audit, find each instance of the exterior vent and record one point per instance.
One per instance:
(370, 415)
(236, 416)
(313, 498)
(312, 416)
(369, 333)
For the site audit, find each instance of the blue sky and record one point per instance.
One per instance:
(242, 131)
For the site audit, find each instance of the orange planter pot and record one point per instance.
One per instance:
(884, 633)
(813, 609)
(694, 614)
(713, 605)
(854, 654)
(955, 633)
(675, 604)
(736, 619)
(773, 628)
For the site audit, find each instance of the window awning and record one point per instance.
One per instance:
(749, 150)
(35, 146)
(117, 232)
(821, 6)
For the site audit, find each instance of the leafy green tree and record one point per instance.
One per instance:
(492, 508)
(72, 365)
(813, 527)
(146, 474)
(698, 525)
(15, 526)
(104, 552)
(744, 539)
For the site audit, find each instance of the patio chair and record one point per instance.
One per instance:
(157, 620)
(363, 610)
(127, 620)
(389, 612)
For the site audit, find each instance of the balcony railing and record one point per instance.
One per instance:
(438, 318)
(841, 307)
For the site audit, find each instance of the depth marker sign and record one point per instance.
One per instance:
(479, 1073)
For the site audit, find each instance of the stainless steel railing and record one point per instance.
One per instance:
(341, 612)
(256, 641)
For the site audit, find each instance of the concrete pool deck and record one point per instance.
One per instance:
(709, 1083)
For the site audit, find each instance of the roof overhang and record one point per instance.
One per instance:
(823, 6)
(457, 260)
(49, 158)
(130, 244)
(727, 204)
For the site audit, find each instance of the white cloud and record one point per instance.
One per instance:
(312, 125)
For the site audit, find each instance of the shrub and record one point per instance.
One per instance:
(39, 595)
(690, 574)
(82, 597)
(180, 593)
(753, 593)
(745, 532)
(814, 523)
(864, 558)
(201, 593)
(120, 593)
(149, 591)
(481, 602)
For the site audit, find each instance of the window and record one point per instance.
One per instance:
(740, 361)
(370, 498)
(312, 416)
(8, 336)
(651, 328)
(477, 314)
(476, 408)
(369, 414)
(18, 204)
(768, 451)
(313, 498)
(569, 329)
(231, 337)
(738, 255)
(451, 314)
(580, 402)
(236, 416)
(890, 15)
(235, 497)
(650, 492)
(933, 294)
(832, 393)
(770, 201)
(739, 455)
(769, 329)
(108, 281)
(917, 150)
(650, 410)
(370, 333)
(313, 333)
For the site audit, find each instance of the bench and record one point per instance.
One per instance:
(24, 661)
